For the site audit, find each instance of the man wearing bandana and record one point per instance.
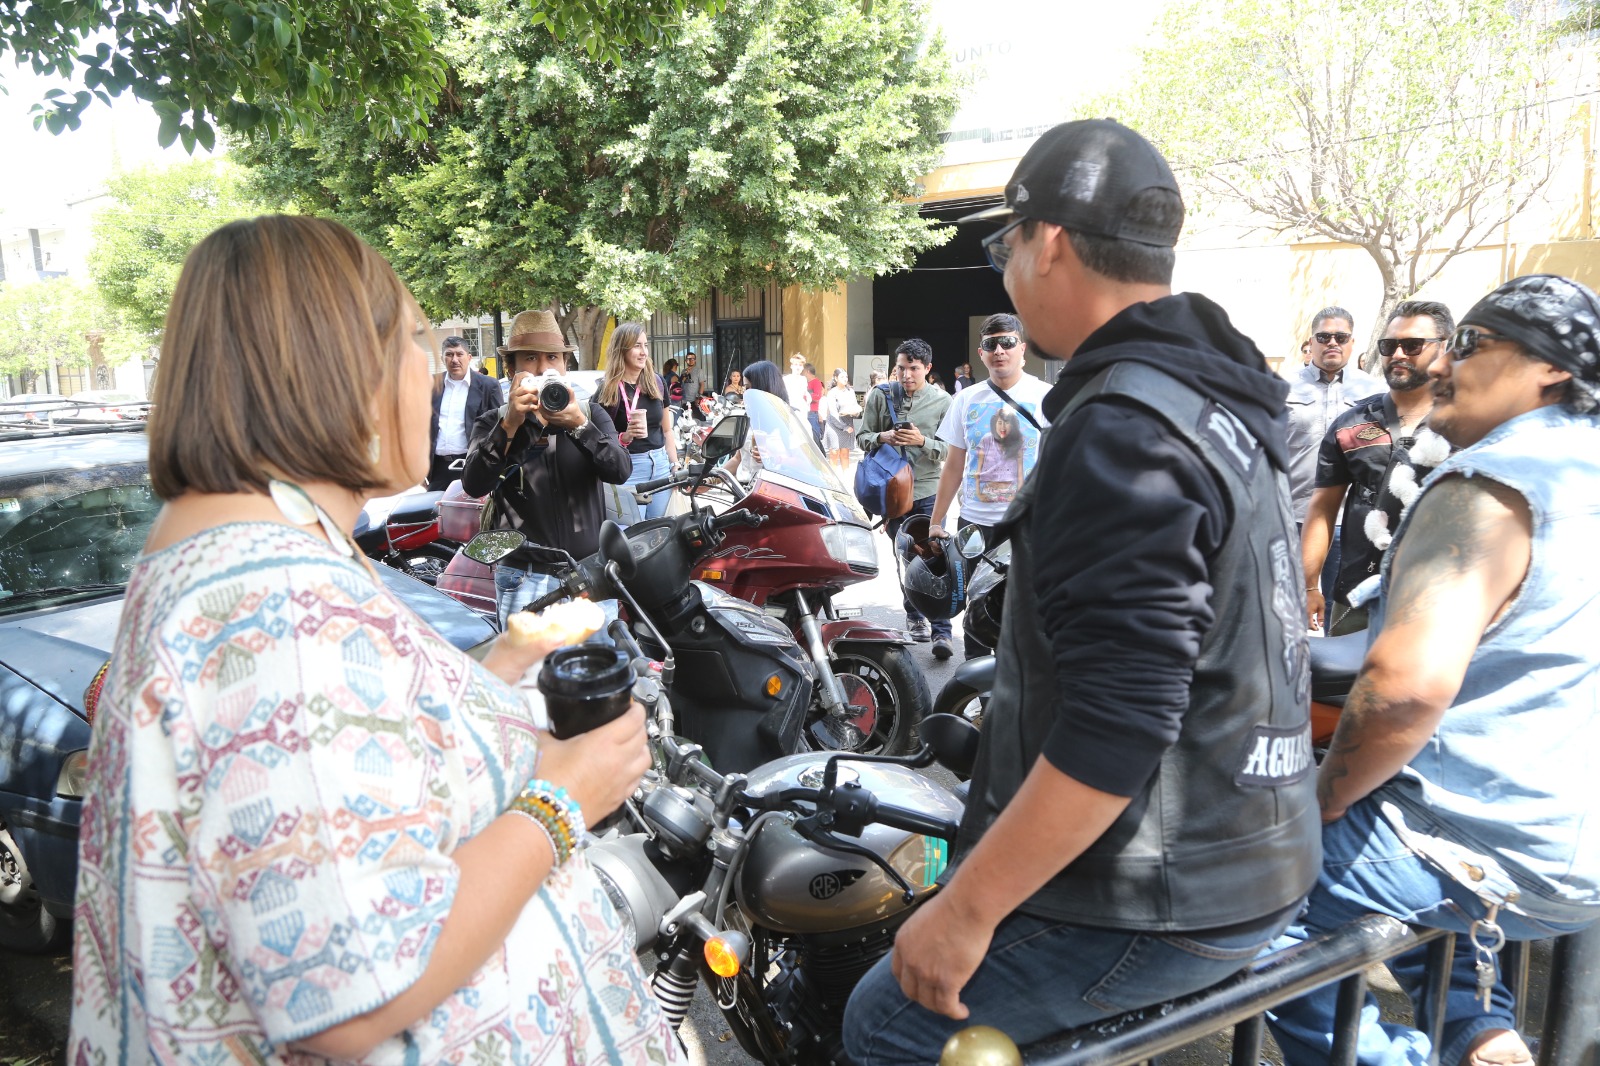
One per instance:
(1457, 792)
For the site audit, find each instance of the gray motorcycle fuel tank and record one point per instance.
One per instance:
(791, 885)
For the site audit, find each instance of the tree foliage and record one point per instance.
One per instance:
(158, 214)
(271, 65)
(53, 320)
(1413, 131)
(774, 143)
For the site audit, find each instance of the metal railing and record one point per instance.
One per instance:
(1569, 1036)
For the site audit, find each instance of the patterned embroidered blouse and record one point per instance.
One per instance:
(284, 759)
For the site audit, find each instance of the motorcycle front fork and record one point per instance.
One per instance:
(829, 691)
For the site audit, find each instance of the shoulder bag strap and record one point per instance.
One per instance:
(1021, 410)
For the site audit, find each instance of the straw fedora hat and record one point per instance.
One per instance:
(535, 331)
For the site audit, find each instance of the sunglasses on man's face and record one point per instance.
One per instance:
(996, 248)
(1007, 342)
(1468, 341)
(1412, 346)
(1331, 338)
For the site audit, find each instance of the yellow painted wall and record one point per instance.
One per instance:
(815, 324)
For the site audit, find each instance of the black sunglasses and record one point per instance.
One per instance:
(1008, 342)
(1466, 341)
(1412, 346)
(996, 248)
(1331, 338)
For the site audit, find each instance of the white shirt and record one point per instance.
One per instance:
(995, 466)
(452, 438)
(799, 395)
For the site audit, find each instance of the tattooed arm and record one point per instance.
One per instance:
(1462, 559)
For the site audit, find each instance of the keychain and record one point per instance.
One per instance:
(1486, 952)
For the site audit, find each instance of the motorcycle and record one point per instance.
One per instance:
(815, 542)
(408, 538)
(1335, 661)
(779, 889)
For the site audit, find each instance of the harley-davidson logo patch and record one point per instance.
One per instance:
(1366, 435)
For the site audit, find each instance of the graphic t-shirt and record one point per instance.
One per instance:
(1001, 445)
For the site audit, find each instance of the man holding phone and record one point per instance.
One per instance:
(913, 426)
(543, 465)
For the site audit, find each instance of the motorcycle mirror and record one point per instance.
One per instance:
(727, 438)
(954, 741)
(489, 548)
(969, 542)
(614, 549)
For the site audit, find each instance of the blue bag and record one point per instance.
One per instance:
(883, 479)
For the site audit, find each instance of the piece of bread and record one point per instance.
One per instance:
(568, 622)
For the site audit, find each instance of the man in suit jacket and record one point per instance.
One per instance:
(459, 397)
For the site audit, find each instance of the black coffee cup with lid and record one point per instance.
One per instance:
(584, 687)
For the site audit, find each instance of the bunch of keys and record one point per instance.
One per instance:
(1496, 939)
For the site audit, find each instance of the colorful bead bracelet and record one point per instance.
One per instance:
(550, 808)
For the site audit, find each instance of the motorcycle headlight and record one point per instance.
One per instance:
(73, 781)
(853, 546)
(638, 892)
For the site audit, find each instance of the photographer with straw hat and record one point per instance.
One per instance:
(543, 462)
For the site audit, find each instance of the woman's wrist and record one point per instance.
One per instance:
(556, 812)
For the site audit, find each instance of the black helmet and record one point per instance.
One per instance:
(934, 577)
(985, 602)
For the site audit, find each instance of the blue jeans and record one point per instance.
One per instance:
(941, 626)
(1039, 978)
(651, 466)
(514, 589)
(1366, 868)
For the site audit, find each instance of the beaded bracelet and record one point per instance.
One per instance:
(556, 813)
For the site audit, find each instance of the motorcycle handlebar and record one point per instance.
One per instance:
(914, 822)
(658, 484)
(742, 516)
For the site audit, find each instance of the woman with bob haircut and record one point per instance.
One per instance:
(314, 829)
(634, 395)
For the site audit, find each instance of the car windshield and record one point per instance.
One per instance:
(787, 446)
(66, 534)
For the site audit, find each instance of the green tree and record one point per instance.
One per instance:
(1414, 132)
(158, 214)
(775, 143)
(56, 321)
(270, 65)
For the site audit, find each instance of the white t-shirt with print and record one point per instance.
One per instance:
(1001, 445)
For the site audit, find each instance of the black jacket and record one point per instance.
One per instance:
(547, 485)
(1154, 630)
(483, 394)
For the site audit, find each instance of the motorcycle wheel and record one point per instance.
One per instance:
(425, 563)
(25, 926)
(898, 690)
(962, 700)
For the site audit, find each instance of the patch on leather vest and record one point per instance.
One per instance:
(1290, 608)
(1278, 756)
(1230, 437)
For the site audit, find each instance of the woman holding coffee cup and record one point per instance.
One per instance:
(633, 394)
(316, 830)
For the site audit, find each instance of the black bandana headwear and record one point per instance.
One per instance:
(1556, 319)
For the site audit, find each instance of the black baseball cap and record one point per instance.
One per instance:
(1082, 175)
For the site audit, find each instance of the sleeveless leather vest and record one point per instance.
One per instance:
(1227, 830)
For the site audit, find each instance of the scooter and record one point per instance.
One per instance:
(779, 889)
(1335, 661)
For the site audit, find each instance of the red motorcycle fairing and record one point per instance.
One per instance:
(861, 631)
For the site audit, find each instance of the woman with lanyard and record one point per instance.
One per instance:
(632, 395)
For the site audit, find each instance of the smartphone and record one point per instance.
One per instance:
(902, 425)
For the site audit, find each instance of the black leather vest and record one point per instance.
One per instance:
(1227, 830)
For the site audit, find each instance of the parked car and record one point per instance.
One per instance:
(104, 405)
(31, 407)
(75, 508)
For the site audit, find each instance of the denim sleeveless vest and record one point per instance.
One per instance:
(1504, 797)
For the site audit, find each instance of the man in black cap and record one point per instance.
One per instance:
(1142, 818)
(1458, 792)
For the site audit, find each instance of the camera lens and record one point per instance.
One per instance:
(554, 396)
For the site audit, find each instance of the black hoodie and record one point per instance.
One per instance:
(1125, 530)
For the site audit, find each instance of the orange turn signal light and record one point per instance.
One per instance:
(774, 685)
(722, 957)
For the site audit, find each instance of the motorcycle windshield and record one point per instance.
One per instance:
(787, 446)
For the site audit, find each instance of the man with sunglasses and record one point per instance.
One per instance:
(1458, 792)
(1371, 462)
(993, 430)
(1142, 817)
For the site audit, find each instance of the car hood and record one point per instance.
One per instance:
(58, 650)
